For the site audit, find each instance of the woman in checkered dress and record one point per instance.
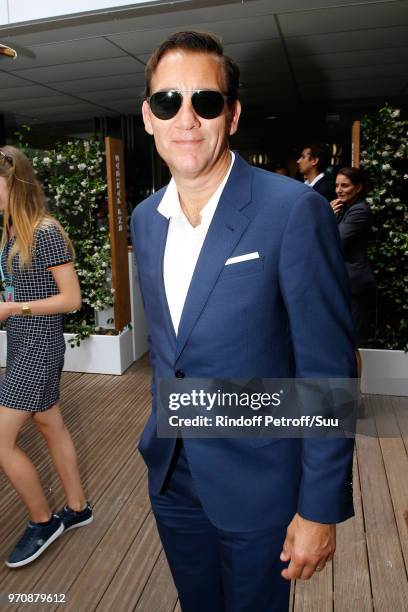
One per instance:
(40, 284)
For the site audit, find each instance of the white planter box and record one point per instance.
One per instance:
(138, 321)
(101, 354)
(384, 372)
(95, 355)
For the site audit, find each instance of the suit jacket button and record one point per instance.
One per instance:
(180, 374)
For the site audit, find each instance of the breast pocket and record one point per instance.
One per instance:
(242, 268)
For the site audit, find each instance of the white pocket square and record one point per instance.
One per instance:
(233, 260)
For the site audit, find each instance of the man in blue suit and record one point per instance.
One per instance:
(242, 277)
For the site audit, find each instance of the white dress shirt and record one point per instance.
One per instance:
(316, 178)
(183, 245)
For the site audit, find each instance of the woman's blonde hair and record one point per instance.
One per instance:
(26, 207)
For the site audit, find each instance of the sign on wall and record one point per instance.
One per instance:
(115, 175)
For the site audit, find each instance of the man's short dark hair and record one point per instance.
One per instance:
(320, 151)
(198, 42)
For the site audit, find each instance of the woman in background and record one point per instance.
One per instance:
(353, 218)
(40, 284)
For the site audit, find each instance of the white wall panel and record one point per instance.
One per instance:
(3, 12)
(27, 10)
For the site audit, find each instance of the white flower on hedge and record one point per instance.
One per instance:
(395, 113)
(81, 166)
(386, 167)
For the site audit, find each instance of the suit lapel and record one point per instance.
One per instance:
(224, 233)
(160, 229)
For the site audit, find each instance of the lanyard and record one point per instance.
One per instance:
(3, 277)
(9, 289)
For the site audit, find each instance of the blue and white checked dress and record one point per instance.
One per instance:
(35, 344)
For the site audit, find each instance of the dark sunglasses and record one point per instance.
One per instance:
(207, 104)
(5, 157)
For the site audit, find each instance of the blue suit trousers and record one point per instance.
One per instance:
(216, 570)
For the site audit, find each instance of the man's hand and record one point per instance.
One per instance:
(309, 546)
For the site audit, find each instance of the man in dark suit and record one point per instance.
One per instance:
(242, 277)
(312, 163)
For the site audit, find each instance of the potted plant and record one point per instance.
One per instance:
(73, 177)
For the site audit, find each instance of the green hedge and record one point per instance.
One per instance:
(384, 158)
(73, 177)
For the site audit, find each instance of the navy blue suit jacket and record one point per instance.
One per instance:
(325, 186)
(285, 314)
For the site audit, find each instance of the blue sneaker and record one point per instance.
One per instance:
(72, 519)
(36, 538)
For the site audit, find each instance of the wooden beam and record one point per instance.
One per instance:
(115, 174)
(355, 144)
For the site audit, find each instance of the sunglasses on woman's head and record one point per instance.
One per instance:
(206, 103)
(9, 159)
(5, 157)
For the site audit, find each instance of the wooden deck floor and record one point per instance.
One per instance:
(116, 564)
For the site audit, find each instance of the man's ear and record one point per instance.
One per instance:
(314, 160)
(146, 118)
(234, 113)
